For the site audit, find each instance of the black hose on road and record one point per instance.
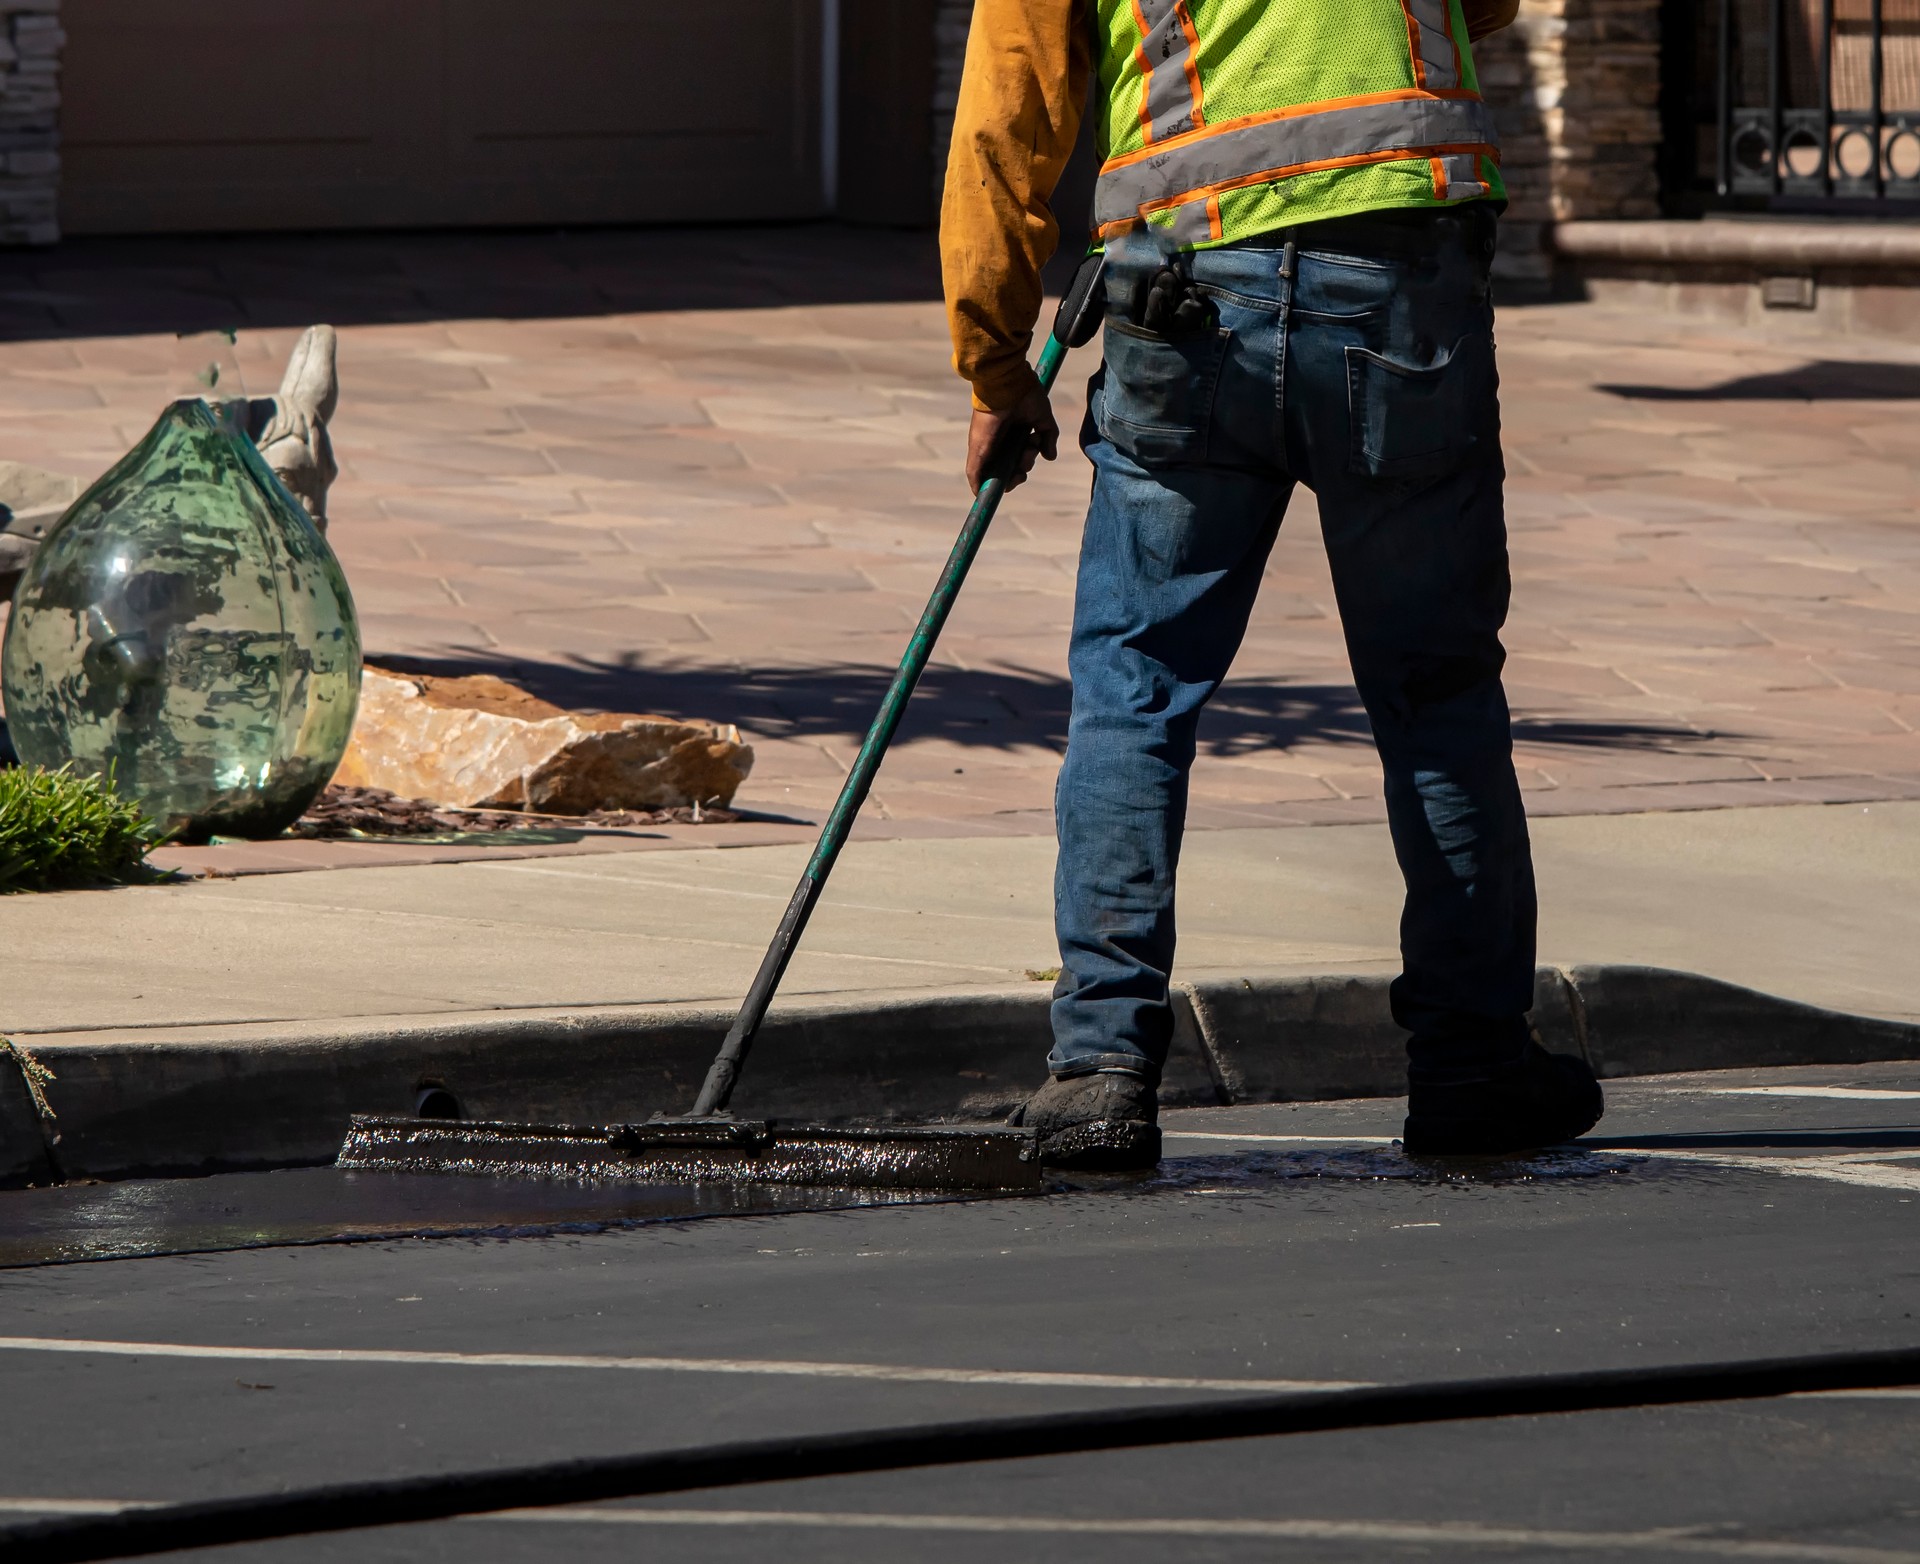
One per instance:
(352, 1506)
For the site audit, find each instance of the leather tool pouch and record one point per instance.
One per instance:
(1166, 303)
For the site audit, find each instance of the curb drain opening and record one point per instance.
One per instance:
(434, 1101)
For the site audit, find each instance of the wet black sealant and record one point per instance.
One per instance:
(665, 1152)
(223, 1212)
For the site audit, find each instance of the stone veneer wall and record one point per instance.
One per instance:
(30, 43)
(1574, 84)
(1575, 87)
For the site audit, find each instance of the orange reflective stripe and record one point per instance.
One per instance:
(1190, 200)
(1262, 148)
(1436, 58)
(1190, 224)
(1168, 53)
(1456, 177)
(1413, 44)
(1146, 72)
(1296, 111)
(1194, 222)
(1192, 62)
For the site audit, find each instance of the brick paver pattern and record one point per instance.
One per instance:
(714, 475)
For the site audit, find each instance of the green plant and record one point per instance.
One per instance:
(60, 831)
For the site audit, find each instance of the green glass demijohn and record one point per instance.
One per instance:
(185, 631)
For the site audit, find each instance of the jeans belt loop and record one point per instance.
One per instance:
(1288, 251)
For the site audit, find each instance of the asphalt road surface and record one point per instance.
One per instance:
(1737, 1215)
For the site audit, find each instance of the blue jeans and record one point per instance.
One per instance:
(1357, 360)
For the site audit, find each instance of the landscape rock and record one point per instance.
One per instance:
(478, 742)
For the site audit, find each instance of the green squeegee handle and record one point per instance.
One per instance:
(1078, 317)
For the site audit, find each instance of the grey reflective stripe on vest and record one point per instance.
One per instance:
(1439, 64)
(1167, 51)
(1193, 223)
(1461, 172)
(1229, 155)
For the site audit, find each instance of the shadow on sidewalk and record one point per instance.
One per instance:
(989, 708)
(159, 286)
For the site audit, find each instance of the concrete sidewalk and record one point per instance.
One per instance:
(1812, 903)
(240, 1023)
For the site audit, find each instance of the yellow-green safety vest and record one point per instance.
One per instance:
(1221, 120)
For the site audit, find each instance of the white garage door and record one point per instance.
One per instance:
(402, 113)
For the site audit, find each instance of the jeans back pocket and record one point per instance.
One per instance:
(1419, 420)
(1156, 393)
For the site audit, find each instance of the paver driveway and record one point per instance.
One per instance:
(713, 473)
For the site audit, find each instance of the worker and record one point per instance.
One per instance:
(1298, 202)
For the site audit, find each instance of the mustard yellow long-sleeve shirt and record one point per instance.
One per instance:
(1022, 94)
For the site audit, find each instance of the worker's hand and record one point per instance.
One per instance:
(1033, 410)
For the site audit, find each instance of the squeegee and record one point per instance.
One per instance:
(709, 1143)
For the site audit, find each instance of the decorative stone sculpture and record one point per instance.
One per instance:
(480, 742)
(290, 429)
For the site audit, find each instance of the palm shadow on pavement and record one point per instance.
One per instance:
(1824, 380)
(990, 708)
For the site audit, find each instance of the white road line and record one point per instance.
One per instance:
(1874, 1170)
(1290, 1140)
(1869, 1170)
(1854, 1093)
(1865, 1174)
(895, 1373)
(1441, 1533)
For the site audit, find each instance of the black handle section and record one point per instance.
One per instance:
(1009, 445)
(724, 1073)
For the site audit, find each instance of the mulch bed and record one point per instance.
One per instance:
(372, 811)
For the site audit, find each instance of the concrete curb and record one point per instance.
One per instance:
(1728, 242)
(205, 1099)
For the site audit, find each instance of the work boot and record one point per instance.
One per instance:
(1539, 1100)
(1102, 1122)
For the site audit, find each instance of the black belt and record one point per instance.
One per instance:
(1398, 230)
(1167, 302)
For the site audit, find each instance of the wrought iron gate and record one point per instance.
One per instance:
(1819, 104)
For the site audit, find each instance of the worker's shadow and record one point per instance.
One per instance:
(989, 708)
